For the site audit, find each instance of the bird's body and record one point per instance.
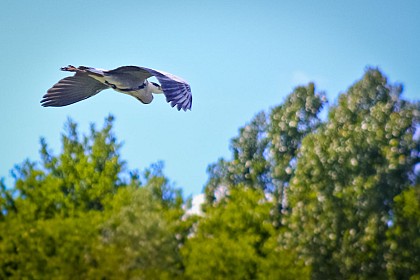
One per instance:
(131, 80)
(124, 83)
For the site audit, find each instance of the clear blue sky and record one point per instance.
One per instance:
(240, 57)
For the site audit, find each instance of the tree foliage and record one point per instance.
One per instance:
(300, 198)
(337, 184)
(237, 240)
(249, 165)
(265, 151)
(404, 237)
(75, 216)
(347, 176)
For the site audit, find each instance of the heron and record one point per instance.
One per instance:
(131, 80)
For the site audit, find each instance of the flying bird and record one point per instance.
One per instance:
(131, 80)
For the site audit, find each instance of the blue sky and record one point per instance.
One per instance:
(240, 57)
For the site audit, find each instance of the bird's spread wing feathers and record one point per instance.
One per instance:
(176, 90)
(81, 86)
(71, 90)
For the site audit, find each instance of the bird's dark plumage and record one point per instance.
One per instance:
(71, 90)
(131, 80)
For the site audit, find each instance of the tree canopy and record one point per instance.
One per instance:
(76, 216)
(302, 197)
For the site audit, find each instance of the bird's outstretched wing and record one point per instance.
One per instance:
(129, 74)
(177, 91)
(71, 90)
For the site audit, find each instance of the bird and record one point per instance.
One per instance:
(131, 80)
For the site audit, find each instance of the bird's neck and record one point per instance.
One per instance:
(152, 88)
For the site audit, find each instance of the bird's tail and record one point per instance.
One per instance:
(70, 68)
(83, 69)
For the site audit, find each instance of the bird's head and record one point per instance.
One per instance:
(155, 87)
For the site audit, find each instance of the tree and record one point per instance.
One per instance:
(289, 123)
(264, 159)
(136, 241)
(264, 152)
(237, 240)
(299, 199)
(404, 237)
(348, 173)
(249, 165)
(79, 216)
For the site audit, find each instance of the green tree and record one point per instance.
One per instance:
(264, 152)
(289, 123)
(349, 184)
(263, 160)
(237, 240)
(404, 236)
(249, 165)
(137, 241)
(79, 216)
(348, 173)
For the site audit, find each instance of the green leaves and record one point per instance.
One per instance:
(289, 123)
(298, 199)
(249, 165)
(264, 153)
(77, 216)
(403, 236)
(137, 241)
(234, 240)
(347, 176)
(332, 185)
